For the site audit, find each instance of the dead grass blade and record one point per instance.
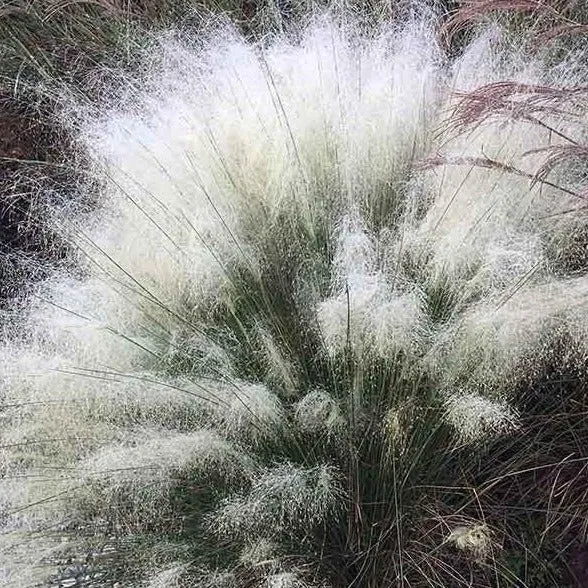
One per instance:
(558, 154)
(487, 163)
(473, 11)
(518, 101)
(560, 31)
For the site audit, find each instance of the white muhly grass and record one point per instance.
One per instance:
(140, 477)
(155, 457)
(285, 497)
(475, 417)
(105, 395)
(369, 318)
(259, 552)
(279, 368)
(365, 311)
(82, 321)
(28, 505)
(23, 558)
(318, 412)
(475, 223)
(355, 256)
(168, 578)
(396, 425)
(519, 324)
(246, 411)
(91, 407)
(215, 150)
(216, 579)
(285, 580)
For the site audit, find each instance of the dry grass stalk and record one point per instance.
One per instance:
(557, 155)
(560, 31)
(516, 101)
(474, 11)
(487, 163)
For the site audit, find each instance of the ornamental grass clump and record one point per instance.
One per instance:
(327, 326)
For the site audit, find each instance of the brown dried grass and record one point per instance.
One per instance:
(485, 162)
(516, 101)
(558, 155)
(552, 13)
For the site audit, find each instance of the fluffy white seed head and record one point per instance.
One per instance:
(245, 411)
(475, 228)
(170, 577)
(260, 552)
(368, 317)
(355, 256)
(216, 579)
(396, 426)
(366, 312)
(285, 580)
(475, 417)
(129, 485)
(281, 499)
(474, 539)
(26, 557)
(319, 413)
(155, 456)
(508, 336)
(280, 369)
